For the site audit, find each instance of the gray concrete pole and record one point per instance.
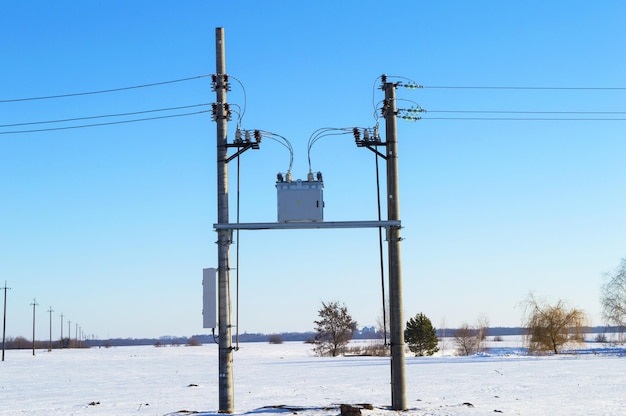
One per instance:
(34, 305)
(396, 322)
(50, 344)
(226, 396)
(4, 319)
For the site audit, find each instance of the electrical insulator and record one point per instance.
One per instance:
(257, 136)
(227, 111)
(279, 177)
(238, 135)
(366, 135)
(357, 134)
(319, 176)
(383, 79)
(247, 136)
(309, 176)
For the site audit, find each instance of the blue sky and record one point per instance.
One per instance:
(112, 225)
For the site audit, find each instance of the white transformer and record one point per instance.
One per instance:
(301, 201)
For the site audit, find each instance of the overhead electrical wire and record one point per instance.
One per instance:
(526, 113)
(487, 87)
(30, 123)
(323, 132)
(524, 118)
(523, 112)
(283, 141)
(106, 124)
(154, 84)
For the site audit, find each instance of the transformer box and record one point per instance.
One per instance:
(300, 201)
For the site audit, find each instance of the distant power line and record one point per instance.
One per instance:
(154, 84)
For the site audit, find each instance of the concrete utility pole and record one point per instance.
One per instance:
(4, 319)
(61, 331)
(34, 304)
(398, 389)
(69, 334)
(225, 384)
(50, 344)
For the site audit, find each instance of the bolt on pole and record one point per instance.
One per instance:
(398, 388)
(225, 383)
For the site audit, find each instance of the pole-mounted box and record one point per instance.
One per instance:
(300, 201)
(209, 298)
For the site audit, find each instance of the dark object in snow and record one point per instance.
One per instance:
(468, 404)
(94, 403)
(348, 410)
(498, 411)
(192, 385)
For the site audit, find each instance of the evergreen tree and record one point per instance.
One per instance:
(421, 336)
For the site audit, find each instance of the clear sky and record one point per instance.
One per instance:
(111, 226)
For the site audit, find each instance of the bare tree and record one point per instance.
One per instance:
(550, 327)
(443, 336)
(482, 327)
(334, 329)
(466, 340)
(613, 297)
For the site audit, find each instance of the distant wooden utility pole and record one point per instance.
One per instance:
(34, 305)
(4, 319)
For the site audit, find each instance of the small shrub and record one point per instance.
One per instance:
(193, 342)
(371, 350)
(276, 339)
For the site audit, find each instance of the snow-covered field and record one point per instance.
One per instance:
(183, 380)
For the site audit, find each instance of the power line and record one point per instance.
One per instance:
(523, 88)
(522, 112)
(524, 118)
(105, 124)
(154, 84)
(102, 116)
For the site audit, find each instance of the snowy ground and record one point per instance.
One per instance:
(177, 381)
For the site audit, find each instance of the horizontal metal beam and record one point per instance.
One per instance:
(305, 225)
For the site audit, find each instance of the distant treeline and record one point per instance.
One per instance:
(23, 343)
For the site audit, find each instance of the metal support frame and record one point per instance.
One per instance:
(305, 225)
